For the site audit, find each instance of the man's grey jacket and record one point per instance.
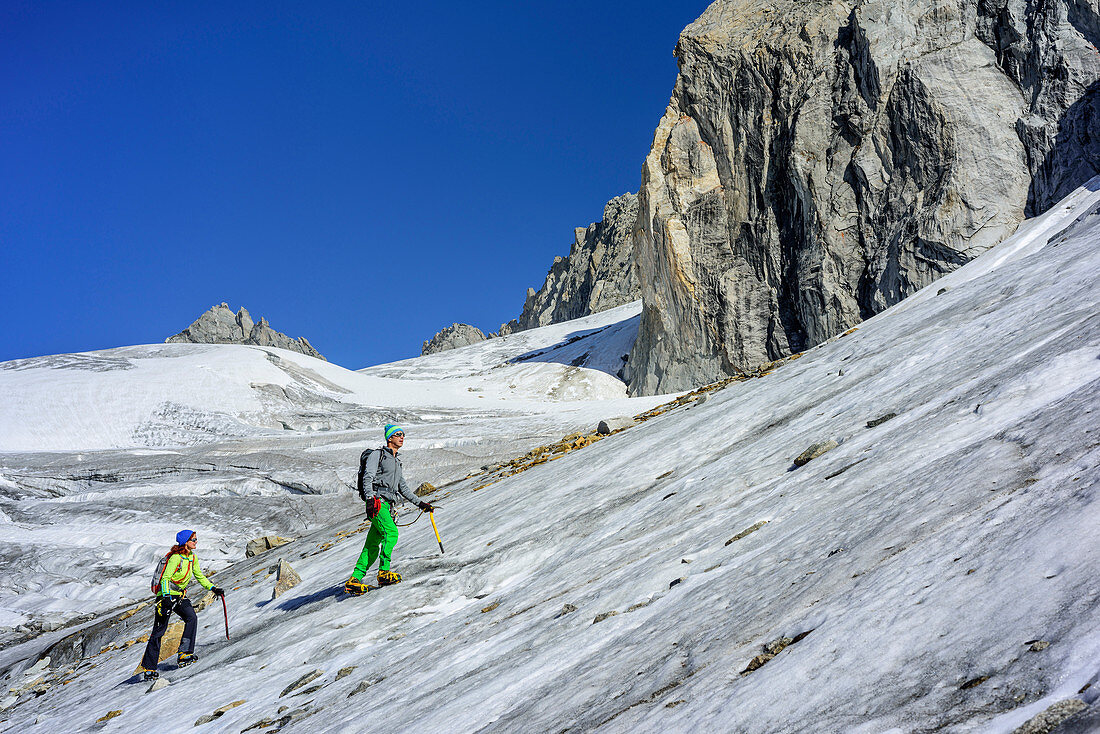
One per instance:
(382, 475)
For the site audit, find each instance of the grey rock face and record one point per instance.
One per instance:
(452, 337)
(1049, 50)
(598, 273)
(819, 162)
(220, 325)
(1048, 720)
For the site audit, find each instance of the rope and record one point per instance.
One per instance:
(409, 523)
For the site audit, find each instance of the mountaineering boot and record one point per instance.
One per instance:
(186, 659)
(355, 587)
(148, 675)
(388, 578)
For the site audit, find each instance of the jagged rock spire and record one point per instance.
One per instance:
(219, 325)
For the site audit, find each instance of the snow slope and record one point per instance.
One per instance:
(936, 571)
(600, 342)
(103, 455)
(187, 394)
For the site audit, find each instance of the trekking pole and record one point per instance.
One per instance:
(226, 613)
(431, 516)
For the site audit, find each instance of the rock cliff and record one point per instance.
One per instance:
(452, 337)
(820, 161)
(219, 325)
(598, 273)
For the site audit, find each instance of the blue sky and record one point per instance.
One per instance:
(362, 174)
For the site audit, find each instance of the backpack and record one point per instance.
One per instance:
(362, 470)
(155, 585)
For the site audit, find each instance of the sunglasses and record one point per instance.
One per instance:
(399, 434)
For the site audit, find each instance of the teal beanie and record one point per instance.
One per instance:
(392, 429)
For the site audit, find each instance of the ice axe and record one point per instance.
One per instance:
(431, 516)
(226, 613)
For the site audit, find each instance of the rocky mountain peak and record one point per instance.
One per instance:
(598, 274)
(219, 325)
(453, 337)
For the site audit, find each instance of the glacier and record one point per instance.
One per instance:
(936, 570)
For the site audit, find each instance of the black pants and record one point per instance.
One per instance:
(160, 624)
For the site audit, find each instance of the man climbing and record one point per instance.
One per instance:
(181, 565)
(382, 485)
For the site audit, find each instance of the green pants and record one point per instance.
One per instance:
(381, 538)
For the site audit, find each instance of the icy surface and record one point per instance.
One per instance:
(105, 455)
(599, 342)
(905, 579)
(187, 394)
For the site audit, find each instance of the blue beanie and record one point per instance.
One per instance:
(183, 536)
(392, 429)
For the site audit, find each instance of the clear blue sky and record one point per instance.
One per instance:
(362, 174)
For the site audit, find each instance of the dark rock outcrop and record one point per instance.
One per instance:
(220, 325)
(452, 337)
(819, 162)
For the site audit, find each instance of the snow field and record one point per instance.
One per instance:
(915, 563)
(144, 440)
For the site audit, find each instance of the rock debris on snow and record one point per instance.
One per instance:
(257, 546)
(610, 425)
(286, 579)
(304, 680)
(363, 685)
(814, 451)
(747, 531)
(881, 419)
(218, 712)
(974, 682)
(771, 649)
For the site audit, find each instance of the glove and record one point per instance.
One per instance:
(165, 606)
(218, 592)
(426, 507)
